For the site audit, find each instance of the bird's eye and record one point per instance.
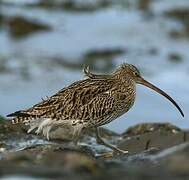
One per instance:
(136, 74)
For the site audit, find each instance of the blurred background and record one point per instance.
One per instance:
(45, 43)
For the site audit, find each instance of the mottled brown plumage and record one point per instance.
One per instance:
(92, 102)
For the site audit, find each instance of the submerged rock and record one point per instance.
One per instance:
(97, 60)
(175, 57)
(19, 26)
(144, 5)
(181, 15)
(72, 5)
(1, 19)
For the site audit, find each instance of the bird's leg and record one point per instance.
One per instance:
(102, 142)
(76, 138)
(77, 134)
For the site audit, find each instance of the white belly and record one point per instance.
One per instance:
(52, 129)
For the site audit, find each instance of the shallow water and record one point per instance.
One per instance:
(41, 63)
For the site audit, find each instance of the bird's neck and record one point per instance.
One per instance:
(125, 85)
(124, 93)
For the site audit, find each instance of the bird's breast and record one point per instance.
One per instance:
(125, 99)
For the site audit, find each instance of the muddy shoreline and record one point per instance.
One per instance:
(155, 151)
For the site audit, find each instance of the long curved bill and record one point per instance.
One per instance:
(151, 86)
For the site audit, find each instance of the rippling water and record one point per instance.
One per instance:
(41, 63)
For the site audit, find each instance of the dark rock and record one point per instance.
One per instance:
(7, 127)
(98, 60)
(53, 161)
(174, 57)
(157, 139)
(177, 162)
(73, 5)
(175, 34)
(183, 33)
(182, 15)
(48, 160)
(153, 51)
(145, 136)
(15, 137)
(155, 152)
(105, 53)
(2, 119)
(144, 5)
(150, 127)
(3, 65)
(1, 19)
(103, 57)
(20, 27)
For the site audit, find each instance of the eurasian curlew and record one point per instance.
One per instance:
(89, 103)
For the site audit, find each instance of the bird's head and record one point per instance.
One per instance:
(130, 72)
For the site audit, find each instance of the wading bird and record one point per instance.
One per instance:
(89, 103)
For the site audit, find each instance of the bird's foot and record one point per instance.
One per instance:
(105, 155)
(113, 153)
(117, 151)
(120, 152)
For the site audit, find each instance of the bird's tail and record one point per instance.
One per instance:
(18, 117)
(17, 120)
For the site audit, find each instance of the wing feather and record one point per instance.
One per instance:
(70, 98)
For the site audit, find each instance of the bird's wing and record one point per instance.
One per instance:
(99, 111)
(59, 105)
